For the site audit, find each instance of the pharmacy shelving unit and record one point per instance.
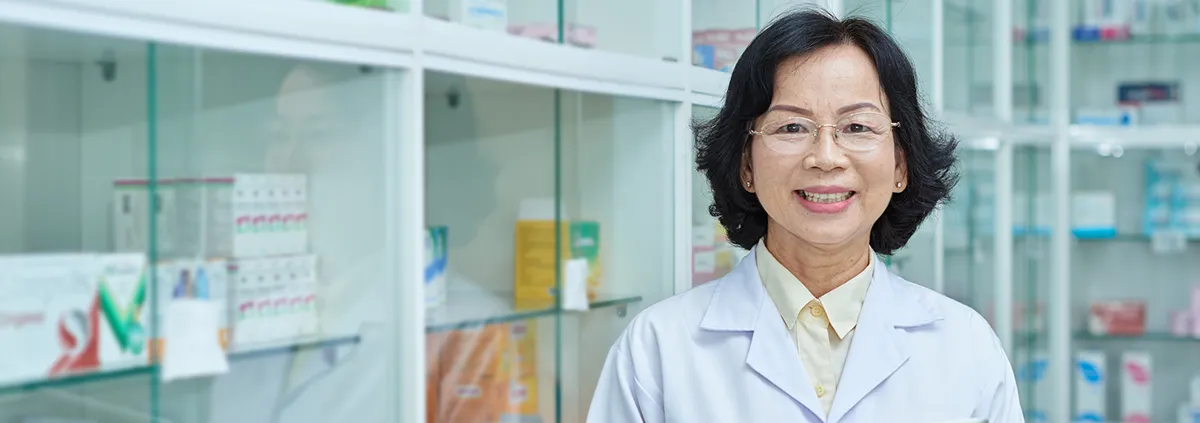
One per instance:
(432, 141)
(1099, 95)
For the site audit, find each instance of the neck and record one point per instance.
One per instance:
(820, 268)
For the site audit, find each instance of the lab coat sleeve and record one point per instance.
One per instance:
(620, 397)
(1000, 402)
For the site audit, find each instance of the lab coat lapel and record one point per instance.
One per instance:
(741, 304)
(878, 348)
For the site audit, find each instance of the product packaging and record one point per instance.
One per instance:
(704, 255)
(1090, 380)
(48, 317)
(1158, 102)
(246, 215)
(1188, 414)
(1094, 214)
(1136, 385)
(436, 251)
(274, 299)
(1181, 323)
(194, 279)
(72, 313)
(1117, 317)
(469, 386)
(720, 49)
(131, 211)
(483, 14)
(1031, 375)
(535, 266)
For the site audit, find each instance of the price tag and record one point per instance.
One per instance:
(1168, 242)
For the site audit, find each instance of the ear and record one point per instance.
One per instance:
(747, 170)
(901, 172)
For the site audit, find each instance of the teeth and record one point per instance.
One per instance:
(826, 198)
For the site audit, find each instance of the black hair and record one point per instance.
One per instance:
(722, 141)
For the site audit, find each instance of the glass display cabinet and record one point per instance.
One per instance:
(180, 211)
(518, 178)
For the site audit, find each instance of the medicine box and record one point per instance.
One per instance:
(71, 313)
(1091, 377)
(535, 268)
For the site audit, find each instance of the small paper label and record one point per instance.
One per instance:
(193, 347)
(1168, 242)
(575, 285)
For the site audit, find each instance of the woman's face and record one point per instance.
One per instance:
(824, 192)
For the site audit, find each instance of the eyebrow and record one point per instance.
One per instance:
(843, 110)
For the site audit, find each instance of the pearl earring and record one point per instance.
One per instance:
(899, 184)
(747, 184)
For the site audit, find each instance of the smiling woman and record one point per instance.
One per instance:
(821, 159)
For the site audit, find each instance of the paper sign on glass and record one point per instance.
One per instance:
(575, 285)
(192, 347)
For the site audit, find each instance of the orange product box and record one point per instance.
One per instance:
(468, 390)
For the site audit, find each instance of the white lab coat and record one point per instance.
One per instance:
(720, 353)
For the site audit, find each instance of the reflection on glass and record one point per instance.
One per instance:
(968, 58)
(969, 232)
(72, 120)
(721, 30)
(272, 173)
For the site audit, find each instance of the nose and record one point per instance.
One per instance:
(825, 154)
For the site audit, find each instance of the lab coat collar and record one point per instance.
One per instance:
(741, 304)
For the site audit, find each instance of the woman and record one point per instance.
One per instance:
(820, 159)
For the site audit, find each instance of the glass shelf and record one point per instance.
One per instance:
(465, 313)
(246, 353)
(1145, 337)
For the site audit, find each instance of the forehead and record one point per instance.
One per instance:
(830, 77)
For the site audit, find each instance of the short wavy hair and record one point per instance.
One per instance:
(722, 141)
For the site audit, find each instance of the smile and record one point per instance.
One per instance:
(825, 202)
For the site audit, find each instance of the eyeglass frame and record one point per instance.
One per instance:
(891, 126)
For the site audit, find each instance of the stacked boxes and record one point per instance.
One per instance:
(484, 374)
(247, 234)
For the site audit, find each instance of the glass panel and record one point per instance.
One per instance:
(969, 232)
(538, 19)
(615, 170)
(504, 163)
(1131, 61)
(1033, 215)
(721, 30)
(968, 57)
(713, 255)
(271, 178)
(73, 118)
(634, 27)
(1128, 208)
(1031, 61)
(490, 191)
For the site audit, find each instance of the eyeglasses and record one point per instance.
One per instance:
(857, 132)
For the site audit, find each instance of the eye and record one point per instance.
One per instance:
(792, 128)
(856, 128)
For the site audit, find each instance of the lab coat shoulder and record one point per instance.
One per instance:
(964, 334)
(632, 379)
